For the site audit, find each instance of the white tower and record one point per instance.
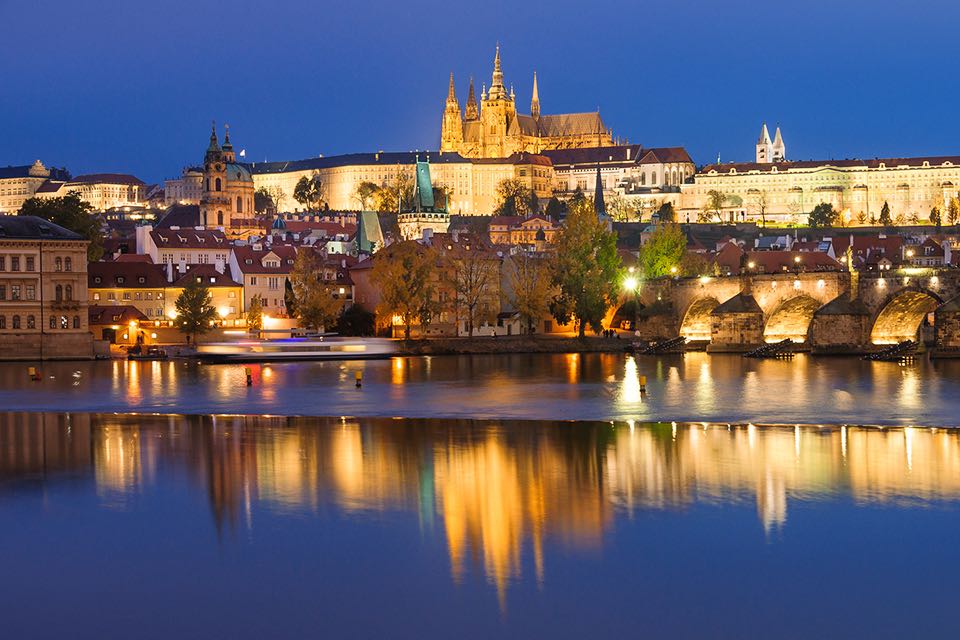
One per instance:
(779, 149)
(764, 146)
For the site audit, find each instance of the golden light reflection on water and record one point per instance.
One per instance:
(503, 493)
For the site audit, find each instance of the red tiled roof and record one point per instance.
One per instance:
(250, 260)
(122, 274)
(107, 178)
(189, 238)
(119, 314)
(209, 276)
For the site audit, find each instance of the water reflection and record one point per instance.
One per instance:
(498, 491)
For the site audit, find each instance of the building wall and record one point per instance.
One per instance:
(15, 190)
(44, 301)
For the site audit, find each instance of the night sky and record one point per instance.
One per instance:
(131, 86)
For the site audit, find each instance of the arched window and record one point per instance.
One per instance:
(219, 218)
(69, 292)
(3, 322)
(68, 264)
(239, 204)
(653, 179)
(31, 322)
(219, 185)
(64, 323)
(208, 184)
(58, 264)
(16, 322)
(643, 179)
(76, 322)
(53, 322)
(59, 293)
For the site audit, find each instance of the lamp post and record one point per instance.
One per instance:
(632, 285)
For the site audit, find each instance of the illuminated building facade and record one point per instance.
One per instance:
(18, 184)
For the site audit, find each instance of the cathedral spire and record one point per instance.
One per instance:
(764, 135)
(471, 112)
(226, 138)
(451, 93)
(496, 86)
(535, 102)
(214, 142)
(779, 148)
(599, 206)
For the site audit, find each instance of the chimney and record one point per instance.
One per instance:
(456, 235)
(628, 153)
(428, 237)
(182, 267)
(218, 265)
(169, 272)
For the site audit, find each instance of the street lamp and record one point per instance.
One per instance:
(632, 285)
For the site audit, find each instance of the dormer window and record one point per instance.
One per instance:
(248, 261)
(97, 279)
(120, 279)
(141, 279)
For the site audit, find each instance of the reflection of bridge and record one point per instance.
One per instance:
(830, 312)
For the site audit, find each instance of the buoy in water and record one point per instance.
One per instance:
(359, 378)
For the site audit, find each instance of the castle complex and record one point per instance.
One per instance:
(496, 130)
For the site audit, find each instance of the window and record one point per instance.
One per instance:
(69, 292)
(76, 322)
(64, 322)
(59, 293)
(31, 322)
(30, 263)
(53, 322)
(159, 295)
(111, 295)
(219, 218)
(14, 292)
(3, 292)
(14, 263)
(148, 295)
(3, 263)
(232, 294)
(58, 264)
(3, 322)
(126, 295)
(219, 185)
(141, 280)
(253, 281)
(68, 264)
(31, 292)
(273, 283)
(239, 205)
(16, 322)
(96, 297)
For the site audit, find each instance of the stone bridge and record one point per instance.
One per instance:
(827, 312)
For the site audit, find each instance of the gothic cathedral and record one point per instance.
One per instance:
(496, 130)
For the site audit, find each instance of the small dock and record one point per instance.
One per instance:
(905, 351)
(673, 345)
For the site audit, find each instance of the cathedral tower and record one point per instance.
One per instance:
(451, 131)
(496, 113)
(779, 153)
(213, 201)
(764, 146)
(472, 112)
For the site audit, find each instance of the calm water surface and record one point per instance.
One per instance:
(578, 387)
(118, 526)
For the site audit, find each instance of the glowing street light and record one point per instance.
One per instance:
(630, 284)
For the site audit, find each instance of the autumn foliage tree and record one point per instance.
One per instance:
(530, 288)
(473, 276)
(317, 305)
(405, 275)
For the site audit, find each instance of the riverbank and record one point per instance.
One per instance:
(512, 344)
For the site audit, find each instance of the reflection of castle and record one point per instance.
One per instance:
(500, 492)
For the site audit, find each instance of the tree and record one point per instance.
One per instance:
(473, 275)
(513, 198)
(823, 215)
(195, 312)
(861, 218)
(365, 194)
(263, 201)
(935, 216)
(885, 218)
(405, 275)
(255, 315)
(953, 211)
(555, 208)
(397, 195)
(666, 212)
(316, 305)
(73, 213)
(534, 206)
(714, 206)
(760, 202)
(694, 264)
(530, 288)
(309, 191)
(663, 251)
(585, 270)
(356, 321)
(289, 299)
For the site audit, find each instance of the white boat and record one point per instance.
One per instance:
(297, 349)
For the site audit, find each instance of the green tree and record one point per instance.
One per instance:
(885, 217)
(405, 275)
(935, 216)
(365, 194)
(555, 208)
(255, 315)
(195, 312)
(317, 308)
(663, 251)
(263, 201)
(73, 213)
(356, 321)
(666, 212)
(309, 191)
(396, 195)
(586, 269)
(289, 299)
(534, 206)
(513, 198)
(529, 288)
(823, 215)
(953, 211)
(714, 206)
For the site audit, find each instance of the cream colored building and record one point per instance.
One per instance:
(18, 184)
(187, 189)
(102, 191)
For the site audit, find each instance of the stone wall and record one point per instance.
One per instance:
(54, 346)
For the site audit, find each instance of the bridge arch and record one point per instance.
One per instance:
(901, 315)
(791, 319)
(696, 320)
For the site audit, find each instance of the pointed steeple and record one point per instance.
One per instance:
(214, 142)
(451, 93)
(535, 102)
(226, 138)
(779, 148)
(472, 113)
(599, 206)
(497, 89)
(764, 135)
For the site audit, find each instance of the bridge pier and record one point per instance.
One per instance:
(947, 329)
(736, 325)
(842, 326)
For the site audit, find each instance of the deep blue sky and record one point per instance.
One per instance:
(132, 86)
